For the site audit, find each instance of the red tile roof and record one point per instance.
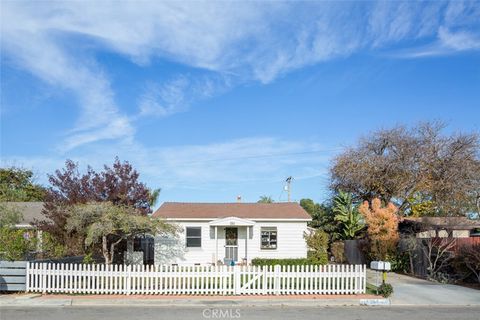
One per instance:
(182, 210)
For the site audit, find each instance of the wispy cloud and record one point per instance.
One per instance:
(37, 51)
(459, 41)
(246, 41)
(246, 160)
(447, 43)
(178, 93)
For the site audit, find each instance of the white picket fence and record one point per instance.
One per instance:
(195, 280)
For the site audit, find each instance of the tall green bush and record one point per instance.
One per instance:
(15, 243)
(317, 243)
(346, 213)
(51, 248)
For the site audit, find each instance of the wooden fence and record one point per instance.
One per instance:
(467, 242)
(195, 280)
(13, 275)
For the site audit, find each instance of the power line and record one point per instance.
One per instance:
(256, 157)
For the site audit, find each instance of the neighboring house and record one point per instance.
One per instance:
(431, 227)
(30, 211)
(219, 233)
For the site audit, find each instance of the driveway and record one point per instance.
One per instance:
(409, 290)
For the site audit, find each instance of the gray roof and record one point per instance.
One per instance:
(29, 210)
(456, 223)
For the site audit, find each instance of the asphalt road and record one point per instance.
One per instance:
(250, 313)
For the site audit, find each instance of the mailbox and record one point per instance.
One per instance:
(380, 265)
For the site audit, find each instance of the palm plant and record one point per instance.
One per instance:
(153, 195)
(265, 199)
(351, 221)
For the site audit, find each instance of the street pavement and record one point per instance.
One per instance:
(250, 313)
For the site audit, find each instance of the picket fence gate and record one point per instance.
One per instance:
(195, 280)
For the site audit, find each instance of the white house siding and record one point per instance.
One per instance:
(290, 243)
(461, 233)
(444, 234)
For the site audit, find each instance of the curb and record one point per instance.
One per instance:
(220, 303)
(375, 302)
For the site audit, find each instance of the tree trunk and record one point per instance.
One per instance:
(412, 267)
(105, 251)
(112, 248)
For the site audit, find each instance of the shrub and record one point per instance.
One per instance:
(15, 243)
(281, 262)
(467, 263)
(338, 251)
(317, 243)
(315, 257)
(400, 262)
(88, 259)
(382, 227)
(385, 289)
(51, 248)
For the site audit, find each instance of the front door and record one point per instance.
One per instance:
(231, 245)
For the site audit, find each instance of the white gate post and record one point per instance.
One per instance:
(364, 280)
(265, 280)
(236, 280)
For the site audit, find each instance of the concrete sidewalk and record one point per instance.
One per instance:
(413, 291)
(35, 300)
(408, 291)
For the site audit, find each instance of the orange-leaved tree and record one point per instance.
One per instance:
(382, 228)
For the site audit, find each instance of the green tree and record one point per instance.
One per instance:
(107, 225)
(351, 221)
(322, 217)
(421, 206)
(265, 199)
(309, 206)
(9, 215)
(17, 184)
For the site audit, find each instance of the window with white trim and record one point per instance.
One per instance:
(194, 237)
(268, 238)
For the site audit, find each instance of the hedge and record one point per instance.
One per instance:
(284, 262)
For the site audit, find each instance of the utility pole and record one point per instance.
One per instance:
(288, 187)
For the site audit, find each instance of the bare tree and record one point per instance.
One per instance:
(439, 253)
(406, 166)
(438, 244)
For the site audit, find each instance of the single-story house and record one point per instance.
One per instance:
(431, 227)
(226, 233)
(29, 211)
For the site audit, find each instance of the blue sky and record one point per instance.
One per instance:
(214, 100)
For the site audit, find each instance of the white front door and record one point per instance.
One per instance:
(231, 245)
